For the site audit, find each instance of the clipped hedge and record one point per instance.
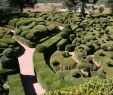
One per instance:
(26, 42)
(51, 43)
(13, 22)
(31, 25)
(70, 47)
(46, 77)
(8, 41)
(61, 44)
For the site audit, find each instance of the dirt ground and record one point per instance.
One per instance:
(45, 7)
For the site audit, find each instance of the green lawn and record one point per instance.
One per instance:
(15, 85)
(102, 61)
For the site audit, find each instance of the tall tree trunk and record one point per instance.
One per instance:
(83, 7)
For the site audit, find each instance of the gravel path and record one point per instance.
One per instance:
(31, 87)
(30, 84)
(73, 56)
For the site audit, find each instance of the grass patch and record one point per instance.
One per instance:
(102, 60)
(65, 62)
(15, 85)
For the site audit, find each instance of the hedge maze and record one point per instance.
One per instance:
(83, 49)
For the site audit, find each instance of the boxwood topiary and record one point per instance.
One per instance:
(72, 36)
(101, 73)
(54, 63)
(3, 45)
(13, 22)
(24, 33)
(76, 73)
(64, 35)
(8, 52)
(65, 54)
(41, 48)
(30, 36)
(70, 47)
(41, 28)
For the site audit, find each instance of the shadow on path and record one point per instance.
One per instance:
(22, 51)
(28, 81)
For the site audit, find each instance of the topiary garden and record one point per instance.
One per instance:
(63, 57)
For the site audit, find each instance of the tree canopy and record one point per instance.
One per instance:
(19, 4)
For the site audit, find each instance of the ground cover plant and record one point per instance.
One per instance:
(9, 51)
(95, 86)
(15, 85)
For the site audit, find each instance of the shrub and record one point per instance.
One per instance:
(3, 45)
(65, 54)
(70, 47)
(110, 48)
(13, 22)
(41, 28)
(84, 66)
(26, 42)
(101, 53)
(89, 58)
(64, 35)
(41, 48)
(8, 52)
(54, 63)
(30, 36)
(106, 31)
(49, 83)
(19, 23)
(23, 28)
(61, 44)
(110, 63)
(24, 33)
(52, 27)
(8, 41)
(18, 32)
(94, 86)
(7, 36)
(101, 73)
(72, 36)
(67, 26)
(9, 63)
(76, 74)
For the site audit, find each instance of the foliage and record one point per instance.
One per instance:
(9, 52)
(20, 4)
(41, 48)
(15, 85)
(95, 86)
(49, 83)
(101, 9)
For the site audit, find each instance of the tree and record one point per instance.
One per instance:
(72, 3)
(110, 4)
(20, 4)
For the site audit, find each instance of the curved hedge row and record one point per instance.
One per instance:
(61, 45)
(50, 44)
(26, 42)
(46, 77)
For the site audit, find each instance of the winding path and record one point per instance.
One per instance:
(30, 85)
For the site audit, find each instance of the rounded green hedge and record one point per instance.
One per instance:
(8, 52)
(41, 48)
(70, 47)
(30, 36)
